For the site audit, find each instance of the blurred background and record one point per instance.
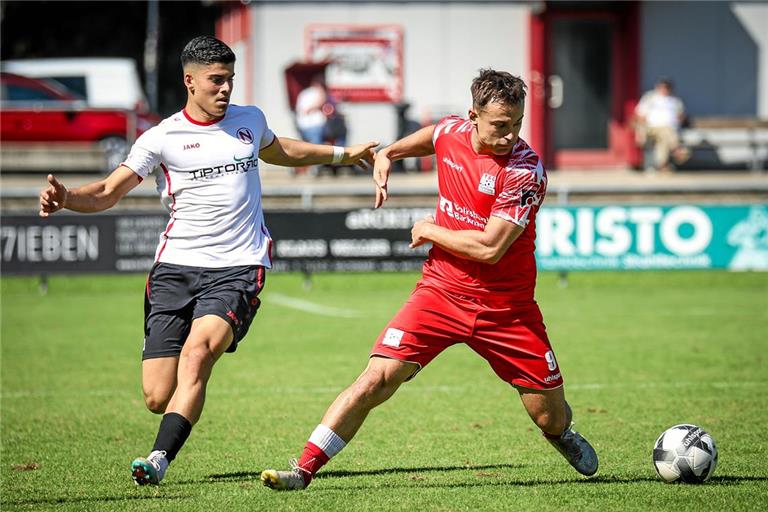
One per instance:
(82, 79)
(652, 120)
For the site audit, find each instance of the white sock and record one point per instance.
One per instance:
(327, 440)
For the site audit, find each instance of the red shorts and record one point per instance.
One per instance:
(511, 337)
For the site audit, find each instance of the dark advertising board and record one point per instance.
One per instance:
(357, 240)
(629, 237)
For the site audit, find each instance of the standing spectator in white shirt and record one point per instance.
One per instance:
(310, 117)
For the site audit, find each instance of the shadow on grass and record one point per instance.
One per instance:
(715, 480)
(479, 479)
(253, 475)
(725, 480)
(422, 469)
(90, 499)
(735, 479)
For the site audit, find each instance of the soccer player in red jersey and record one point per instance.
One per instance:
(478, 281)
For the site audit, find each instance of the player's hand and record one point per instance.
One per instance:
(381, 169)
(418, 231)
(53, 197)
(360, 154)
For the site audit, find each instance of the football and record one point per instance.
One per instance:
(685, 453)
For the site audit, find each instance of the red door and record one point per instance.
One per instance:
(585, 73)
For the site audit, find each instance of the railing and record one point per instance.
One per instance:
(307, 195)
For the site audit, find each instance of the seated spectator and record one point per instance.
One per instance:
(316, 115)
(659, 116)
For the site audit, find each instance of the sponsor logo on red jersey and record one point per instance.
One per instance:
(453, 165)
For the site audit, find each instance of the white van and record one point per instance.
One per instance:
(102, 82)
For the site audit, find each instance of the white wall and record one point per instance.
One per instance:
(444, 46)
(754, 17)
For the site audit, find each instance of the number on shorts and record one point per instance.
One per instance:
(551, 362)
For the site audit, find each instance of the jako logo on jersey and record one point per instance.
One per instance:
(245, 135)
(453, 165)
(487, 184)
(191, 146)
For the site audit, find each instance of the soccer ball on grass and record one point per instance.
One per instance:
(685, 453)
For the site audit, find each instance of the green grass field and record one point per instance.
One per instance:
(639, 351)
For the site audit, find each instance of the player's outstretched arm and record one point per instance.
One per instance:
(291, 152)
(487, 246)
(418, 143)
(90, 198)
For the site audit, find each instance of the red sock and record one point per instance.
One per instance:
(312, 459)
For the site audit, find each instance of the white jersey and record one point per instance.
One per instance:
(660, 110)
(210, 184)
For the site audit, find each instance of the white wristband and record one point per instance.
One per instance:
(338, 154)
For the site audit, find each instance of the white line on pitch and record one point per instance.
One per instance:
(309, 307)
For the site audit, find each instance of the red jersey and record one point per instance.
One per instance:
(473, 187)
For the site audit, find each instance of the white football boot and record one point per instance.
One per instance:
(292, 480)
(149, 470)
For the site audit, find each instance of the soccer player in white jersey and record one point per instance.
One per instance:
(203, 289)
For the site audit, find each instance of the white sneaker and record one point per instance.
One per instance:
(292, 480)
(150, 470)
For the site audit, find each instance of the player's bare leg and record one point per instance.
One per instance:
(208, 339)
(342, 420)
(374, 386)
(158, 381)
(552, 414)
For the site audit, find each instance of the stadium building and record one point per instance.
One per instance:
(587, 63)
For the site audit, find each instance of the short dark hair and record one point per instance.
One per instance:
(206, 50)
(493, 86)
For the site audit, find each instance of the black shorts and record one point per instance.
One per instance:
(177, 294)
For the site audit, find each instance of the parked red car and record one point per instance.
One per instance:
(33, 110)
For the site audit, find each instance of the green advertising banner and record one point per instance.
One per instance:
(653, 237)
(574, 238)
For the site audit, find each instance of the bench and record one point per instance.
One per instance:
(723, 142)
(53, 157)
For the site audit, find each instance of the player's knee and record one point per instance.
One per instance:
(198, 360)
(155, 403)
(373, 389)
(551, 422)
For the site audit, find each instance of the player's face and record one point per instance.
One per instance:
(210, 86)
(497, 127)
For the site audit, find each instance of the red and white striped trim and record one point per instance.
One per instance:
(173, 210)
(269, 243)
